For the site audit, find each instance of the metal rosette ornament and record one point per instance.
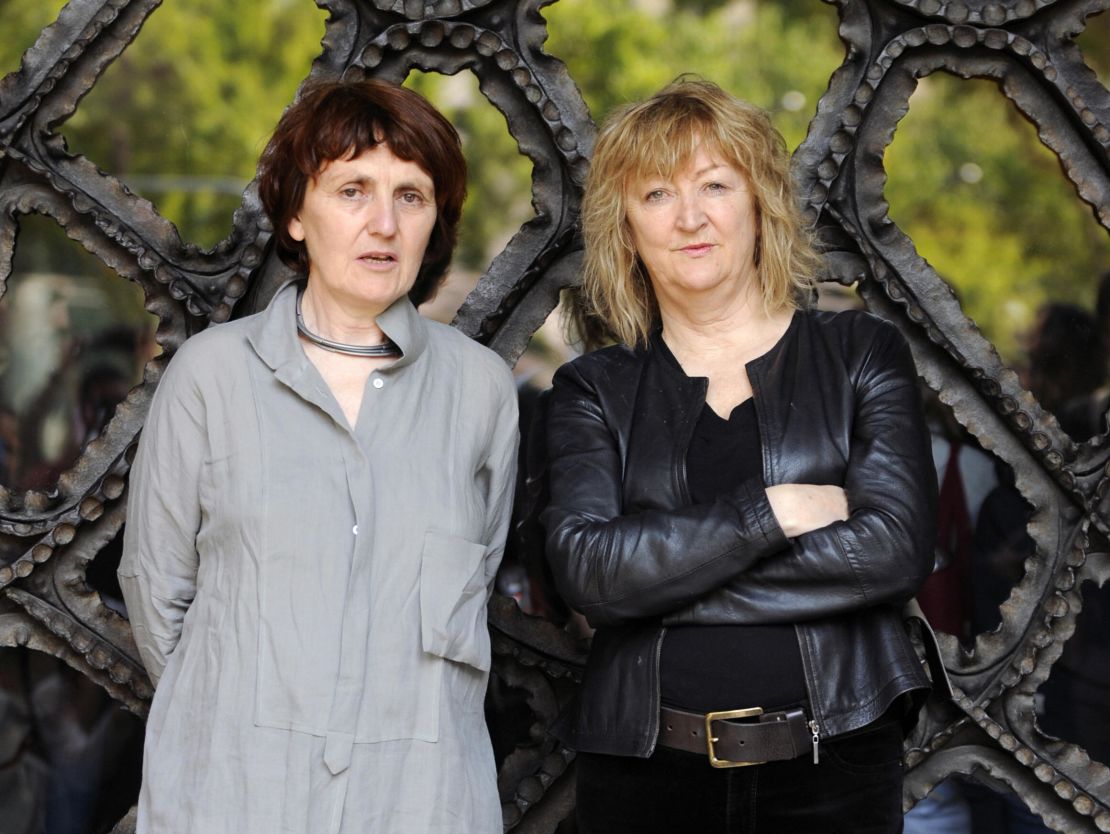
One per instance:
(1028, 49)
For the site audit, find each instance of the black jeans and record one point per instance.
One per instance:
(856, 788)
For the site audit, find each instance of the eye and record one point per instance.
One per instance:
(716, 187)
(655, 195)
(412, 198)
(350, 192)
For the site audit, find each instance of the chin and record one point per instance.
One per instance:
(705, 285)
(381, 296)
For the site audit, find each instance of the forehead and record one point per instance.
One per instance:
(374, 163)
(669, 166)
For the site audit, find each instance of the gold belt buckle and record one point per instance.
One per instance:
(710, 717)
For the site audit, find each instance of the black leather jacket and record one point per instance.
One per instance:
(837, 403)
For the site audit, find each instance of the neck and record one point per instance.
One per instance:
(700, 335)
(712, 319)
(325, 316)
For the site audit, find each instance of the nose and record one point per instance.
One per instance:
(382, 218)
(691, 215)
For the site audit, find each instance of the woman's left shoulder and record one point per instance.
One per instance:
(471, 363)
(854, 329)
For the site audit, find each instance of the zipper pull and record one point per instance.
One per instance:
(816, 739)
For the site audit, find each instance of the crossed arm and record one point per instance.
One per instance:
(784, 553)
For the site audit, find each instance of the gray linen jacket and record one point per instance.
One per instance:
(311, 599)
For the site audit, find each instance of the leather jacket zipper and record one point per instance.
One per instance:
(807, 675)
(658, 694)
(803, 647)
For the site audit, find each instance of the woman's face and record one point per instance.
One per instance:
(695, 232)
(365, 222)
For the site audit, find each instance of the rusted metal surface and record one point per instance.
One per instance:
(1027, 46)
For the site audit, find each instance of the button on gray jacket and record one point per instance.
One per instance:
(311, 599)
(837, 403)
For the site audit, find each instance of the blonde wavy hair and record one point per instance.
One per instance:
(659, 137)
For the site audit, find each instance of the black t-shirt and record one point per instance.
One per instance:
(710, 668)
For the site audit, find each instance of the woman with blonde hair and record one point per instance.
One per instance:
(742, 498)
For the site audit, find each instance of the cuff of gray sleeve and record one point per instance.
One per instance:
(750, 500)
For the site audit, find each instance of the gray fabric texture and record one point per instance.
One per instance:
(311, 599)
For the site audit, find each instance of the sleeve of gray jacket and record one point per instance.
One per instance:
(614, 567)
(883, 553)
(159, 566)
(499, 473)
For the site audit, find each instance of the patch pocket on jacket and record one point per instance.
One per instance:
(453, 600)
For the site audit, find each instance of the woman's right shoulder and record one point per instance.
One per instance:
(208, 355)
(604, 366)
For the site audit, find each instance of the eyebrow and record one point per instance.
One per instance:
(363, 179)
(707, 168)
(343, 180)
(417, 186)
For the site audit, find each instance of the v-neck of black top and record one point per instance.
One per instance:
(720, 449)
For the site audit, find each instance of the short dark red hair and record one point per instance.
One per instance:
(340, 119)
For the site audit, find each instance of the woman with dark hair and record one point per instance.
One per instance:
(742, 498)
(318, 506)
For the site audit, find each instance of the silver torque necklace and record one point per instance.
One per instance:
(386, 349)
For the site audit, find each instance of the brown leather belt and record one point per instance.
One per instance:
(738, 737)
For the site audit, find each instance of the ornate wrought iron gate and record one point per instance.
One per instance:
(1027, 46)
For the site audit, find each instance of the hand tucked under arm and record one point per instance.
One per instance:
(803, 508)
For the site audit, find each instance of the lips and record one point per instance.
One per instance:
(696, 248)
(378, 258)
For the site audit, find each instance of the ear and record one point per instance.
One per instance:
(296, 229)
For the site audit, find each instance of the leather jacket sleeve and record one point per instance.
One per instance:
(614, 567)
(883, 553)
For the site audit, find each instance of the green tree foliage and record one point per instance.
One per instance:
(23, 21)
(1094, 42)
(183, 119)
(990, 208)
(619, 51)
(210, 103)
(498, 199)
